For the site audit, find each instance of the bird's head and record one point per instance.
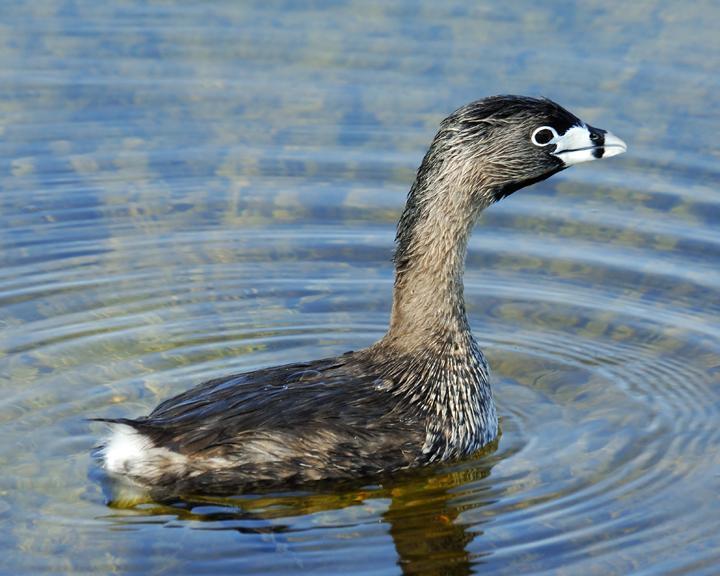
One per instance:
(500, 144)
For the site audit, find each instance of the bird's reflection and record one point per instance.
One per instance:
(422, 515)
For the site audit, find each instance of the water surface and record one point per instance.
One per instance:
(192, 190)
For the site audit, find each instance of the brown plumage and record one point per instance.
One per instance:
(419, 395)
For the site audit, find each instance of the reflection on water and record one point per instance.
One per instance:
(418, 512)
(190, 191)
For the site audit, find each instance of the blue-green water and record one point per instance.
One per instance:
(188, 190)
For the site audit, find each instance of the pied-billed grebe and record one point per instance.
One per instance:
(421, 394)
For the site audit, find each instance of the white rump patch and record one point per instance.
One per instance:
(125, 449)
(133, 456)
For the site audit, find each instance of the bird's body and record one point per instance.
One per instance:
(298, 423)
(421, 394)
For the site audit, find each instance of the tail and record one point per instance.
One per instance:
(127, 421)
(127, 447)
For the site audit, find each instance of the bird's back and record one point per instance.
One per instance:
(336, 418)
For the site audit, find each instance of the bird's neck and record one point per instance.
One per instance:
(433, 360)
(432, 237)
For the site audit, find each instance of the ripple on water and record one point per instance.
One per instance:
(227, 202)
(598, 432)
(608, 407)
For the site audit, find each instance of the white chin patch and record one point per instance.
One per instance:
(575, 146)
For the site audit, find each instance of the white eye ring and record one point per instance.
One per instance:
(533, 138)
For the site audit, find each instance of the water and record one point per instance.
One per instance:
(192, 190)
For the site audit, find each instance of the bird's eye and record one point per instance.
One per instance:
(594, 136)
(543, 135)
